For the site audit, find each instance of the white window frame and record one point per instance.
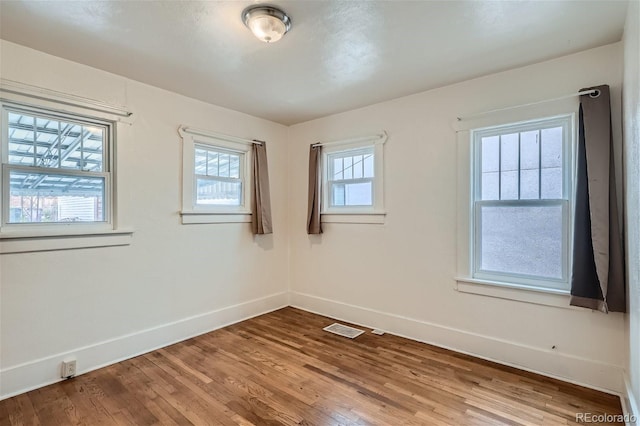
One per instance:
(506, 288)
(37, 237)
(566, 202)
(193, 213)
(374, 213)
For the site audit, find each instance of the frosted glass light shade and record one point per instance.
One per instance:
(267, 23)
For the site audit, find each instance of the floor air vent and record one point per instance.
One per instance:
(343, 330)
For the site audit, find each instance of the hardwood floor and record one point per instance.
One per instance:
(281, 368)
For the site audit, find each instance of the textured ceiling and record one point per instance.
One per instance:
(338, 56)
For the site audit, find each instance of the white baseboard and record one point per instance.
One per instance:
(34, 374)
(566, 367)
(630, 404)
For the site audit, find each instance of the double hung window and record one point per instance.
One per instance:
(521, 203)
(216, 178)
(219, 177)
(352, 181)
(56, 169)
(351, 178)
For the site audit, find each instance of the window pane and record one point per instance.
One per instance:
(41, 197)
(359, 194)
(509, 185)
(522, 240)
(529, 165)
(490, 154)
(220, 193)
(46, 155)
(337, 194)
(552, 147)
(358, 166)
(348, 167)
(337, 169)
(21, 139)
(200, 162)
(529, 150)
(551, 163)
(552, 183)
(354, 164)
(74, 153)
(234, 166)
(212, 163)
(54, 144)
(490, 186)
(529, 183)
(509, 167)
(93, 145)
(352, 194)
(223, 164)
(368, 165)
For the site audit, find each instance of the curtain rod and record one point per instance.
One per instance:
(594, 92)
(200, 132)
(380, 136)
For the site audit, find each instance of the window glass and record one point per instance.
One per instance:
(56, 168)
(47, 142)
(522, 240)
(350, 178)
(509, 161)
(520, 206)
(218, 177)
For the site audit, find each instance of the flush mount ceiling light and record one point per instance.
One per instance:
(267, 23)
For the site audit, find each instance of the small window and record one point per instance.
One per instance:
(351, 178)
(521, 203)
(56, 169)
(215, 181)
(218, 177)
(352, 183)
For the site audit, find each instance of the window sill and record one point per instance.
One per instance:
(28, 242)
(191, 217)
(520, 293)
(343, 217)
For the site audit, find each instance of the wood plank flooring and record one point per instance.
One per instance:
(281, 368)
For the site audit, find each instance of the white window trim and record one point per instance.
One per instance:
(64, 240)
(194, 214)
(374, 214)
(504, 289)
(47, 237)
(25, 94)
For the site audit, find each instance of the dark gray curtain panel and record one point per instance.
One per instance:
(598, 276)
(315, 195)
(261, 198)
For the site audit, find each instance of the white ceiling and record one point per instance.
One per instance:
(339, 55)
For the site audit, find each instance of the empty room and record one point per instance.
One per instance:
(322, 212)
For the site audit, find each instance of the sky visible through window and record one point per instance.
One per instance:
(351, 178)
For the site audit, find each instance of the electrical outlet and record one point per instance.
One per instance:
(68, 369)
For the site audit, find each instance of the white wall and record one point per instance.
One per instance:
(631, 120)
(101, 305)
(400, 276)
(174, 280)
